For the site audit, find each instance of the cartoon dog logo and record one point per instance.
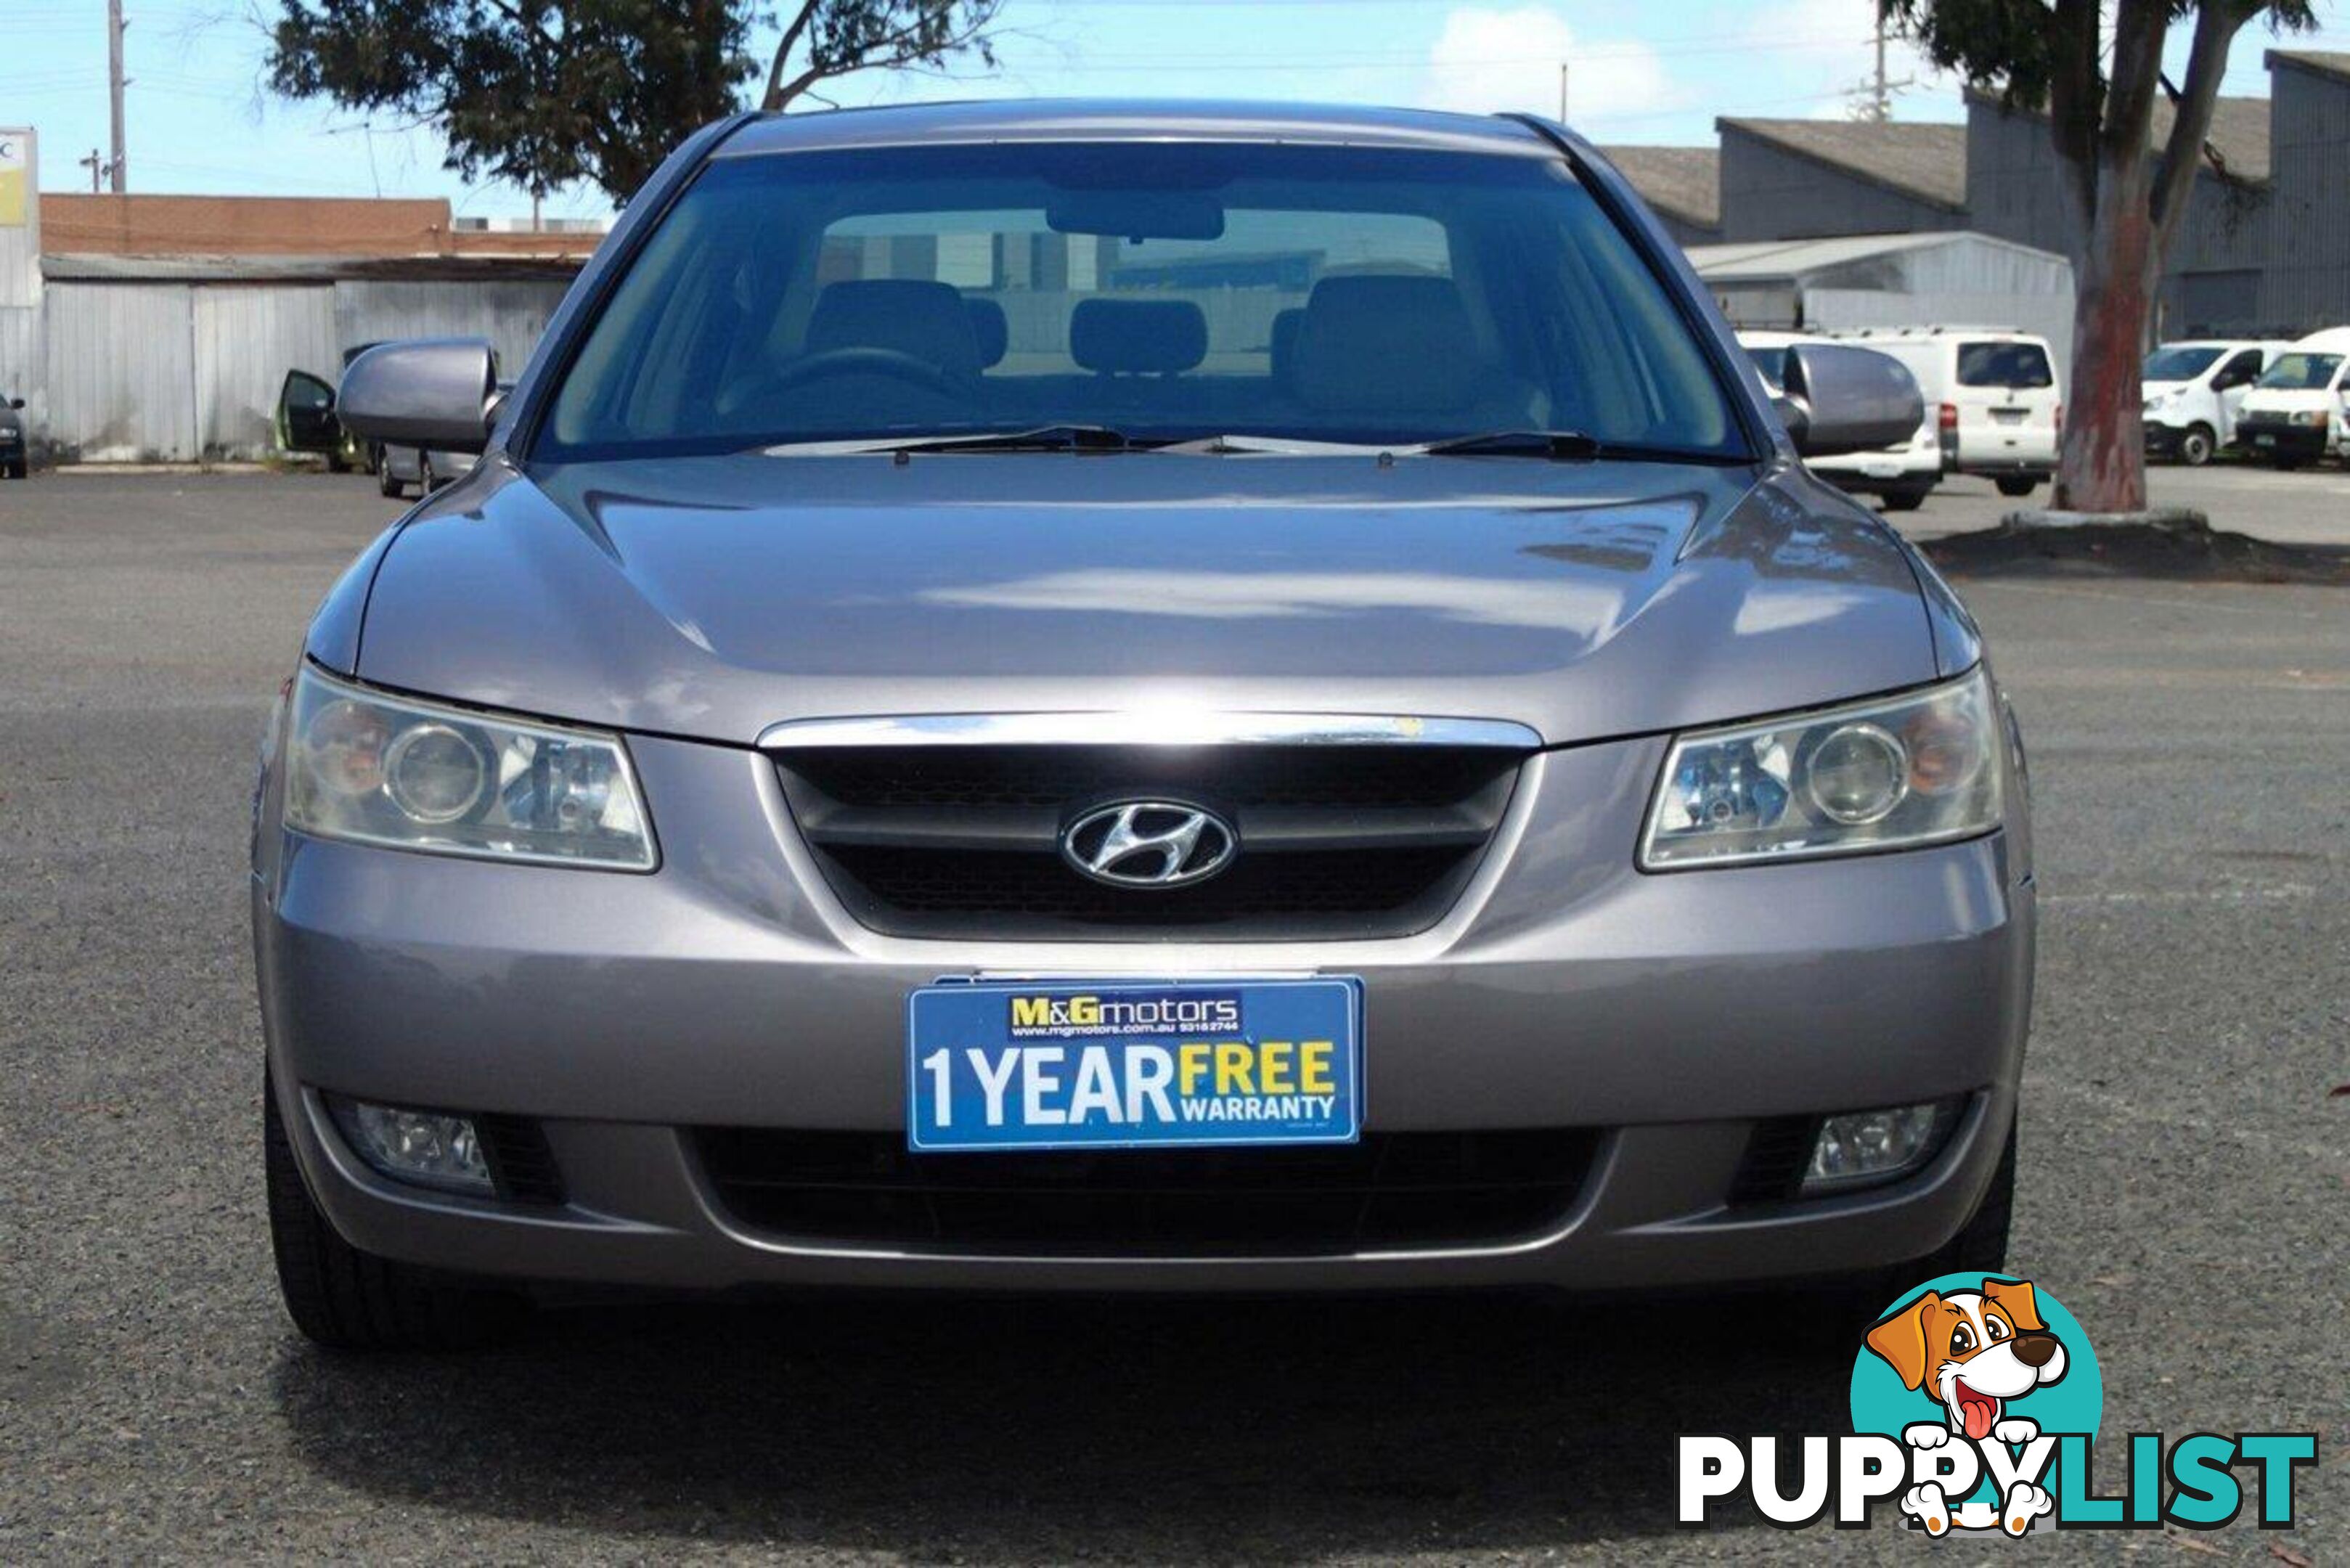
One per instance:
(1975, 1353)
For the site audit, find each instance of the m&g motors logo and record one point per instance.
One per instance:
(1975, 1410)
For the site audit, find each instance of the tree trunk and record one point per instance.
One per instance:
(2101, 456)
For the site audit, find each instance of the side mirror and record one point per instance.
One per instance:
(17, 404)
(434, 392)
(1840, 399)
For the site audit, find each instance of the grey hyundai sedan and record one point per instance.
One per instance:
(1136, 697)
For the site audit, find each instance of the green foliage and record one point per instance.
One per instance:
(543, 93)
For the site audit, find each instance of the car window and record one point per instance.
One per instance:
(304, 390)
(2241, 371)
(2302, 372)
(2004, 365)
(2179, 362)
(1166, 291)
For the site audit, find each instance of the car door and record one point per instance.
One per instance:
(306, 414)
(2230, 382)
(2005, 390)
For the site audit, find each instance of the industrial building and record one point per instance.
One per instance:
(160, 328)
(2263, 250)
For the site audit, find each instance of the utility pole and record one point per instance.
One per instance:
(96, 164)
(1881, 101)
(1872, 100)
(1562, 92)
(120, 168)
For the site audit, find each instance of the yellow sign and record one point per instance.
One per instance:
(16, 175)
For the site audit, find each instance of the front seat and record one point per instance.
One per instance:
(1399, 351)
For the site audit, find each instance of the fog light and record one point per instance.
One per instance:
(1868, 1146)
(425, 1148)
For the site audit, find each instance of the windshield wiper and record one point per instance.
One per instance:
(1042, 438)
(1566, 446)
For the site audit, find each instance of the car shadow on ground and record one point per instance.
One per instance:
(1010, 1426)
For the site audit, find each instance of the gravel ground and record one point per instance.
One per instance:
(2185, 1176)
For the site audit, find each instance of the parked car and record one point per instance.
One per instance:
(2294, 414)
(813, 808)
(306, 422)
(16, 446)
(1993, 393)
(403, 466)
(1901, 475)
(2192, 391)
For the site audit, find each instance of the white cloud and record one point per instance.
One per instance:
(1487, 60)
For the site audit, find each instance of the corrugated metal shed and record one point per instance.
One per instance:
(2307, 283)
(182, 358)
(1893, 280)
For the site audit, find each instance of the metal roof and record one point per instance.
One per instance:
(1132, 119)
(1766, 260)
(1926, 161)
(2326, 62)
(105, 268)
(2237, 142)
(1685, 182)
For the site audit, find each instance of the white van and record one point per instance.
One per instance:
(2193, 391)
(1901, 476)
(2294, 414)
(1992, 393)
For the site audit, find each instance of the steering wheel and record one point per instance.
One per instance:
(894, 362)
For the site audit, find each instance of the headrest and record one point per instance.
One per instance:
(1137, 335)
(912, 316)
(989, 325)
(1286, 325)
(1379, 343)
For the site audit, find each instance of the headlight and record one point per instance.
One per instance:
(1887, 774)
(376, 769)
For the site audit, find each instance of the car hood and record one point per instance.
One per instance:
(711, 597)
(2287, 399)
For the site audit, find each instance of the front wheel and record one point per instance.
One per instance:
(388, 484)
(2016, 483)
(2196, 445)
(349, 1299)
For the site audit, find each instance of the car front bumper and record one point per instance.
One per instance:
(2263, 439)
(1667, 1014)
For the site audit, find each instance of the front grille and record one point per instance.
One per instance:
(964, 841)
(1390, 1191)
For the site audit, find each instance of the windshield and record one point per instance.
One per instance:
(1168, 292)
(2004, 365)
(2302, 372)
(2181, 362)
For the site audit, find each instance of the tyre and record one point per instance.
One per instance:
(1902, 500)
(388, 484)
(15, 470)
(426, 484)
(2285, 464)
(2016, 483)
(349, 1299)
(2195, 445)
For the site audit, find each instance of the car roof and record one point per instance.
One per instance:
(2332, 340)
(1134, 119)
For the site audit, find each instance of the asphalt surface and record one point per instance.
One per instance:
(2307, 506)
(2186, 1178)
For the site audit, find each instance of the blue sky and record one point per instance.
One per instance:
(200, 122)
